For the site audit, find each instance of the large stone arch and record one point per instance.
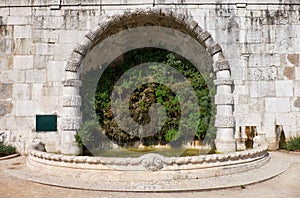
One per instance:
(71, 118)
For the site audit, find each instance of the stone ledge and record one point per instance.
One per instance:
(9, 156)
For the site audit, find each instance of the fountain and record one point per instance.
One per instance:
(151, 171)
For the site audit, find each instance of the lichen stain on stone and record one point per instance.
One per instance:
(232, 23)
(5, 91)
(297, 102)
(275, 17)
(3, 29)
(293, 58)
(5, 107)
(6, 62)
(289, 72)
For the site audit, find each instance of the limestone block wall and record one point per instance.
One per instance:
(260, 39)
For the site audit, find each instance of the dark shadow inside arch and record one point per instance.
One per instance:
(99, 109)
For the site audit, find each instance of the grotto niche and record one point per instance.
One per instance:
(167, 139)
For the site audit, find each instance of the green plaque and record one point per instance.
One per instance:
(46, 122)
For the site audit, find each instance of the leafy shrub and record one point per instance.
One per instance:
(6, 149)
(293, 144)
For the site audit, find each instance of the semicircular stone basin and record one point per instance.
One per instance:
(128, 174)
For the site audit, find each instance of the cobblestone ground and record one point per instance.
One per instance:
(285, 185)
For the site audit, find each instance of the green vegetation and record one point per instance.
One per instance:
(6, 149)
(293, 144)
(142, 98)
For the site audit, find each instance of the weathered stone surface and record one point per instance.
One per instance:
(256, 105)
(293, 58)
(250, 119)
(81, 49)
(284, 88)
(23, 62)
(221, 65)
(277, 104)
(72, 83)
(22, 31)
(5, 107)
(296, 88)
(21, 91)
(297, 73)
(213, 49)
(55, 71)
(289, 72)
(262, 89)
(91, 36)
(297, 102)
(203, 36)
(5, 91)
(225, 121)
(42, 52)
(44, 48)
(70, 36)
(36, 76)
(71, 123)
(265, 73)
(224, 99)
(6, 61)
(223, 82)
(23, 46)
(191, 25)
(27, 108)
(17, 20)
(71, 101)
(72, 66)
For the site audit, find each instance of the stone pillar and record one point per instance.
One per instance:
(225, 121)
(71, 120)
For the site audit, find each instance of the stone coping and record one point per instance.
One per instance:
(147, 173)
(278, 162)
(9, 156)
(151, 161)
(153, 172)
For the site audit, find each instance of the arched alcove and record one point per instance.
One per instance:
(172, 26)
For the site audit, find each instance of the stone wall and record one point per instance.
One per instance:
(260, 39)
